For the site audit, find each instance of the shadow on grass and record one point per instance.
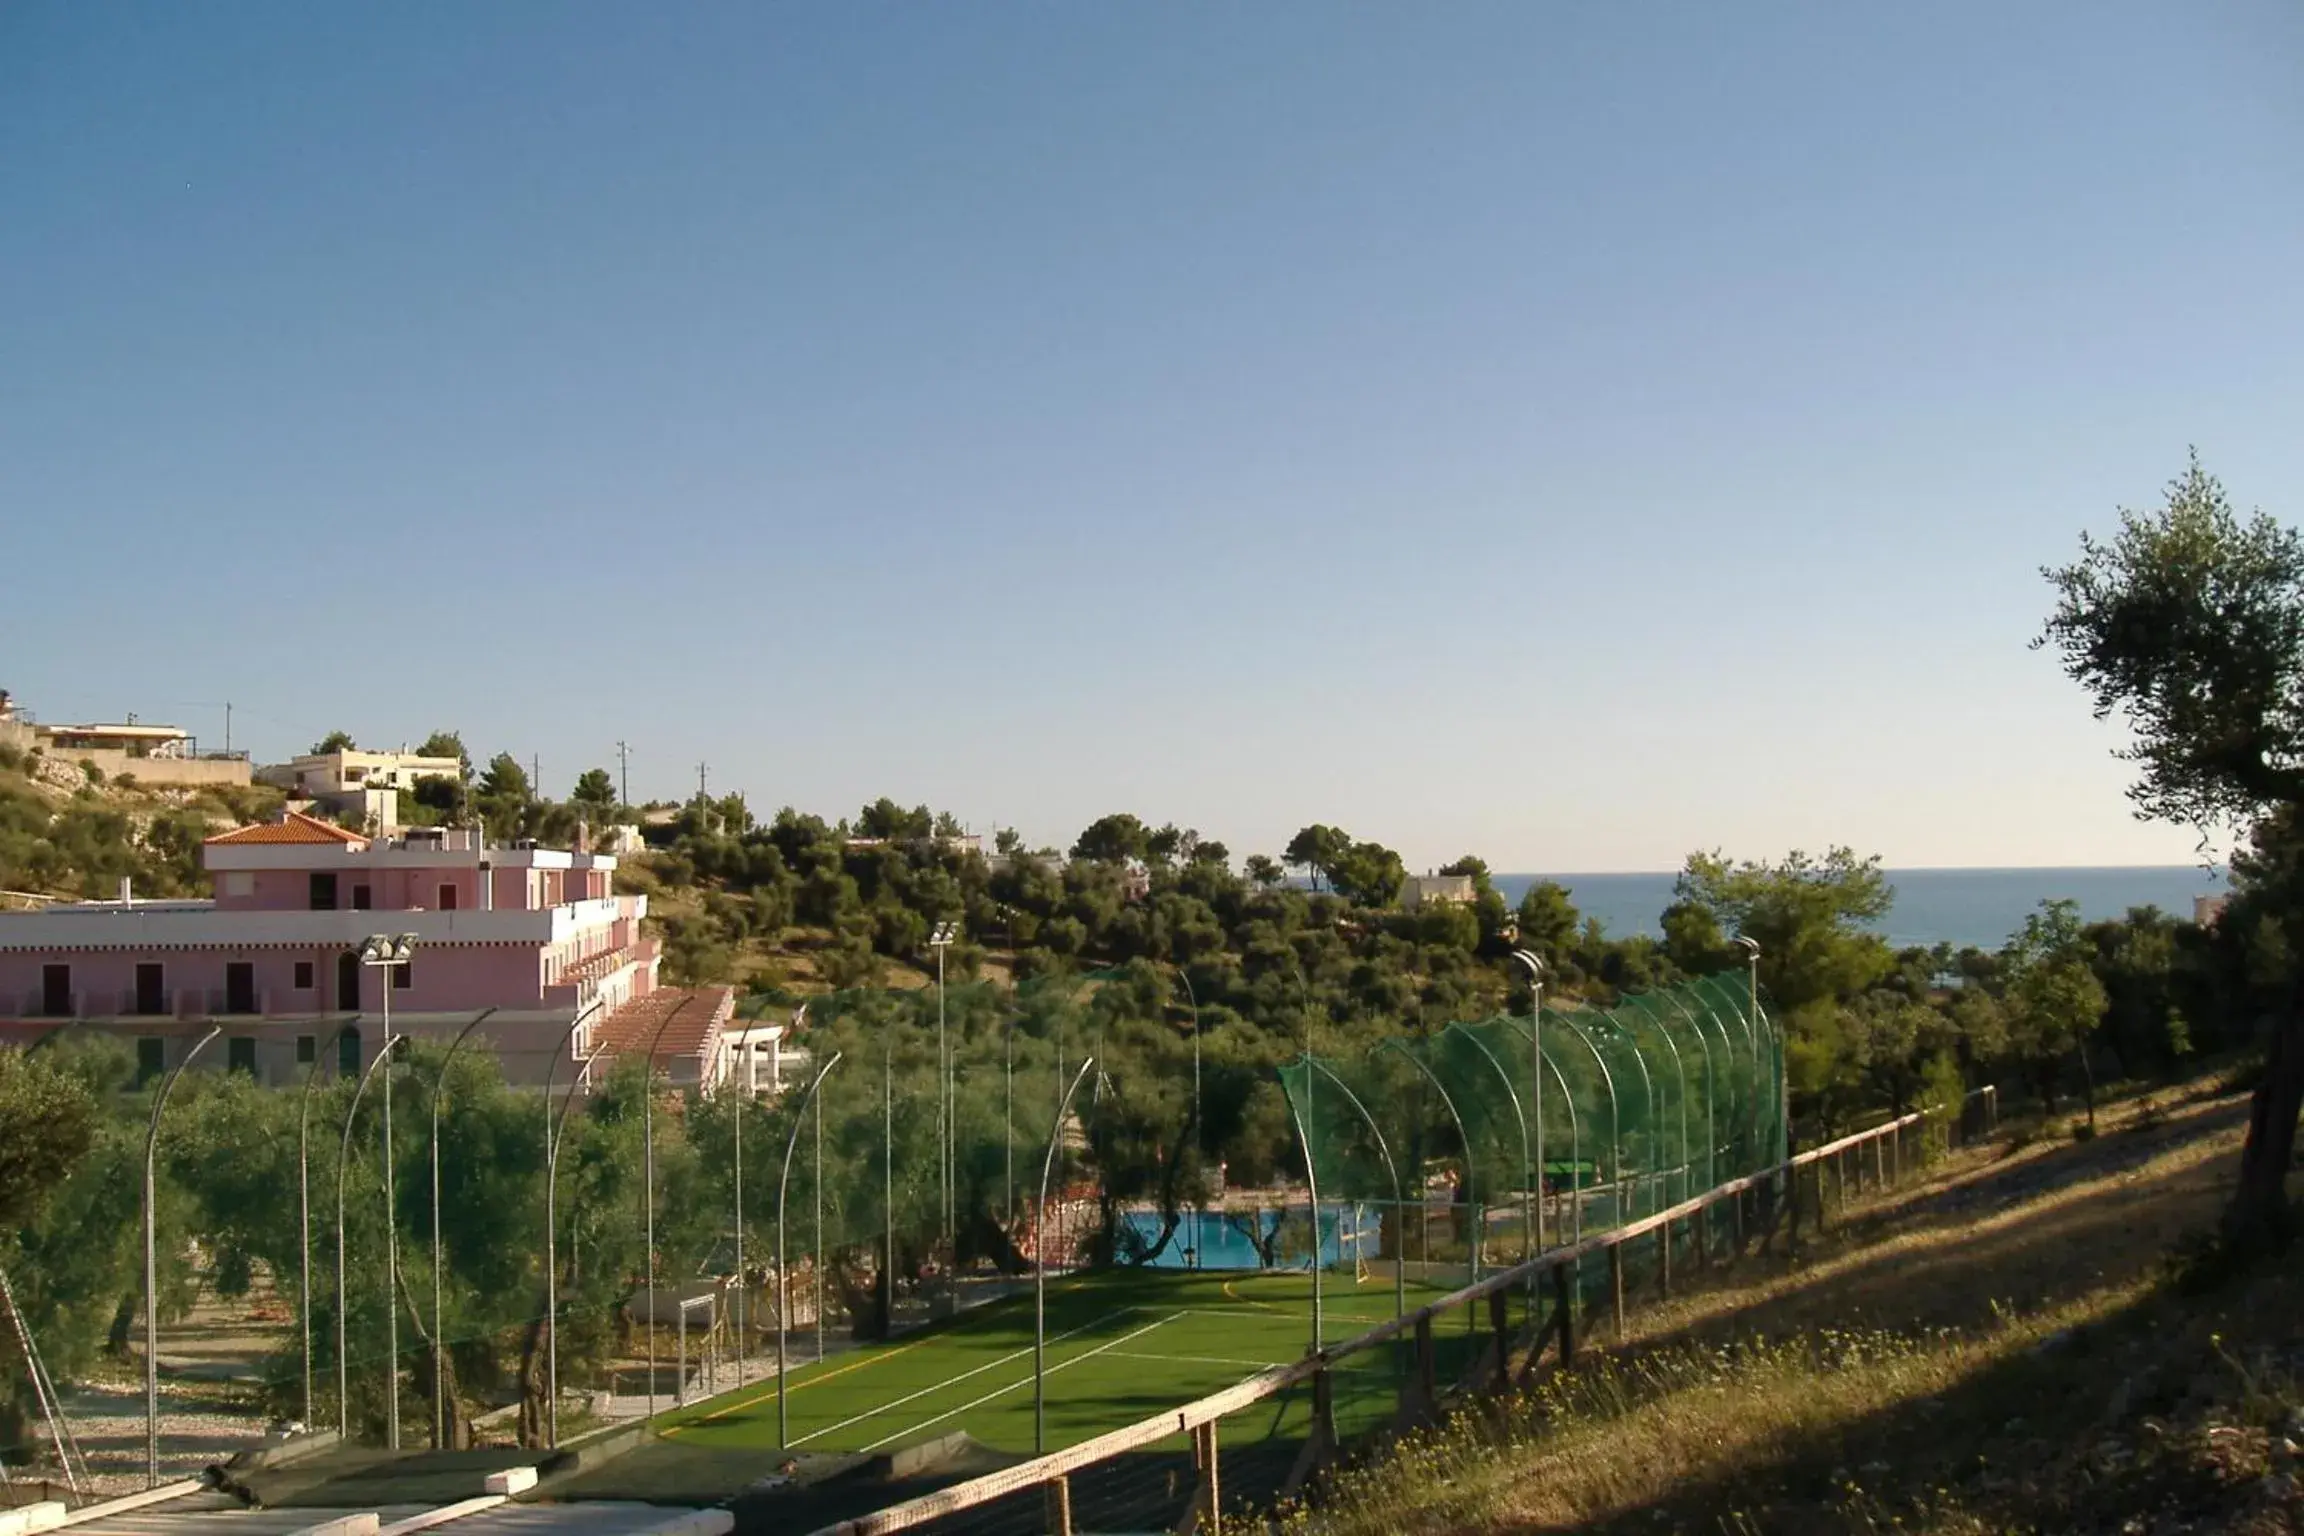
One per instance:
(2035, 1437)
(2066, 1436)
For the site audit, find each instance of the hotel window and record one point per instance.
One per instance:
(151, 1059)
(240, 1054)
(447, 897)
(360, 898)
(239, 882)
(403, 976)
(304, 976)
(307, 1050)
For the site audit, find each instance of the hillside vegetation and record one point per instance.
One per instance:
(67, 831)
(2024, 1341)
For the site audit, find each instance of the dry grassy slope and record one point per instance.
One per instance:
(1996, 1348)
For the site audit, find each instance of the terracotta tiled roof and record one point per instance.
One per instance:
(292, 827)
(687, 1016)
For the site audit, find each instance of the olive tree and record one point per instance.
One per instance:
(2189, 624)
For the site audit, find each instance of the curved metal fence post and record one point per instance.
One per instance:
(552, 1128)
(304, 1206)
(1680, 1087)
(783, 1280)
(343, 1163)
(1615, 1113)
(1711, 1110)
(1040, 1270)
(1471, 1174)
(439, 1339)
(151, 1265)
(1613, 1031)
(1520, 1118)
(1399, 1200)
(648, 1195)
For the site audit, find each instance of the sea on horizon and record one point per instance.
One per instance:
(1981, 907)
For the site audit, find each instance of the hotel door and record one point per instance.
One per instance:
(348, 982)
(151, 989)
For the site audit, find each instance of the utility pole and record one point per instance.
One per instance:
(535, 776)
(701, 792)
(623, 774)
(227, 727)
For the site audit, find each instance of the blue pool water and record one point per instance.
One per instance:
(1345, 1231)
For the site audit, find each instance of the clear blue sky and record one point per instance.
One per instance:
(1575, 434)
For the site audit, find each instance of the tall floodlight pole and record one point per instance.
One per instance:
(783, 1282)
(388, 953)
(304, 1205)
(152, 1268)
(343, 1165)
(552, 1124)
(1575, 1146)
(1534, 963)
(439, 1337)
(947, 1133)
(648, 1190)
(1040, 1270)
(1751, 948)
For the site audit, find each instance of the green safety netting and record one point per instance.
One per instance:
(1513, 1134)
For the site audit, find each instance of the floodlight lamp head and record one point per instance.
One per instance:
(945, 933)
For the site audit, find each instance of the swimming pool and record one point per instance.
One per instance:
(1212, 1242)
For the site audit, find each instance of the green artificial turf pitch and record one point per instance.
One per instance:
(1120, 1348)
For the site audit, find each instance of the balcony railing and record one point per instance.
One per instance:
(182, 1003)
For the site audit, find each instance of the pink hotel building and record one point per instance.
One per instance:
(534, 933)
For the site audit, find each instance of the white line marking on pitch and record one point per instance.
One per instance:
(1014, 1385)
(874, 1413)
(1253, 1365)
